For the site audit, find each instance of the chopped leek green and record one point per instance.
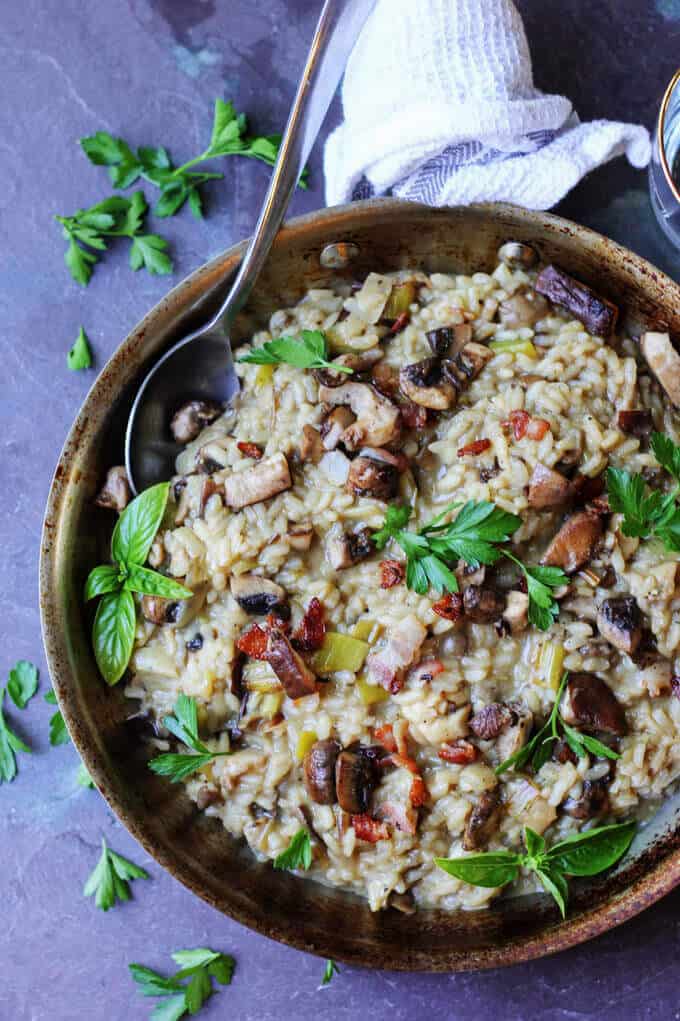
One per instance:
(305, 741)
(370, 694)
(400, 300)
(339, 652)
(514, 347)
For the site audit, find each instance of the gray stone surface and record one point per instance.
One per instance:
(149, 70)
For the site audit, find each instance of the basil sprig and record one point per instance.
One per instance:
(583, 854)
(539, 748)
(113, 633)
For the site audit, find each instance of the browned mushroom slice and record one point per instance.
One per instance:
(664, 361)
(516, 734)
(300, 536)
(259, 596)
(516, 612)
(523, 308)
(377, 418)
(355, 780)
(482, 605)
(208, 489)
(620, 622)
(591, 705)
(488, 723)
(423, 383)
(597, 314)
(467, 365)
(548, 488)
(483, 821)
(319, 771)
(636, 423)
(334, 425)
(187, 423)
(593, 801)
(574, 544)
(179, 612)
(357, 361)
(295, 676)
(115, 493)
(447, 341)
(344, 549)
(370, 477)
(262, 481)
(311, 446)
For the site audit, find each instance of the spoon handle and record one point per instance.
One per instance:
(336, 33)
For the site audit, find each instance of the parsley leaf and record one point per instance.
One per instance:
(329, 971)
(9, 745)
(109, 882)
(649, 514)
(298, 854)
(179, 997)
(396, 518)
(58, 732)
(80, 355)
(22, 683)
(83, 778)
(149, 251)
(309, 351)
(184, 726)
(543, 608)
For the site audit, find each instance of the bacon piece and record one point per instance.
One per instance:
(450, 606)
(517, 423)
(537, 428)
(310, 632)
(414, 415)
(369, 829)
(253, 642)
(392, 573)
(385, 737)
(400, 323)
(474, 448)
(404, 762)
(388, 666)
(419, 793)
(251, 450)
(404, 817)
(460, 752)
(400, 731)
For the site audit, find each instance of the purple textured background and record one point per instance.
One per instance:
(149, 70)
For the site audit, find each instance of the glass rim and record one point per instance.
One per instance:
(660, 126)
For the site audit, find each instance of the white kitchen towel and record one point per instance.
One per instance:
(440, 107)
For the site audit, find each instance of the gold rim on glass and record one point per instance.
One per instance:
(660, 133)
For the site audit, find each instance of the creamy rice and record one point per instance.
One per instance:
(574, 381)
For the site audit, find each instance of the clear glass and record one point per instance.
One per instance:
(664, 168)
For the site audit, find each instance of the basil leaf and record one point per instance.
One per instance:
(592, 744)
(137, 526)
(298, 854)
(542, 753)
(142, 579)
(535, 844)
(113, 634)
(492, 868)
(556, 885)
(101, 580)
(586, 854)
(22, 683)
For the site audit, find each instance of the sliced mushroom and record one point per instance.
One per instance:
(295, 676)
(516, 612)
(311, 445)
(655, 676)
(115, 493)
(447, 341)
(208, 489)
(388, 666)
(357, 361)
(516, 734)
(523, 308)
(517, 255)
(187, 423)
(319, 771)
(483, 821)
(259, 596)
(344, 549)
(210, 458)
(482, 605)
(664, 361)
(377, 418)
(575, 543)
(597, 314)
(548, 488)
(593, 801)
(467, 365)
(262, 481)
(355, 780)
(300, 536)
(591, 705)
(334, 425)
(423, 383)
(620, 622)
(179, 612)
(638, 422)
(488, 723)
(371, 477)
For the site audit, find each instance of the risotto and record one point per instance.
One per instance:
(356, 707)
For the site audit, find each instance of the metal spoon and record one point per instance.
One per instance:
(201, 365)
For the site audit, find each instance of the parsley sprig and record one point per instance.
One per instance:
(80, 354)
(89, 232)
(230, 137)
(179, 996)
(329, 971)
(539, 749)
(58, 732)
(298, 854)
(582, 854)
(110, 880)
(649, 513)
(308, 351)
(22, 683)
(184, 725)
(113, 633)
(476, 536)
(10, 744)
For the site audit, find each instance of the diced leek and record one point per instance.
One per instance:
(367, 630)
(262, 681)
(514, 347)
(270, 705)
(339, 652)
(264, 375)
(550, 667)
(370, 694)
(400, 300)
(305, 741)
